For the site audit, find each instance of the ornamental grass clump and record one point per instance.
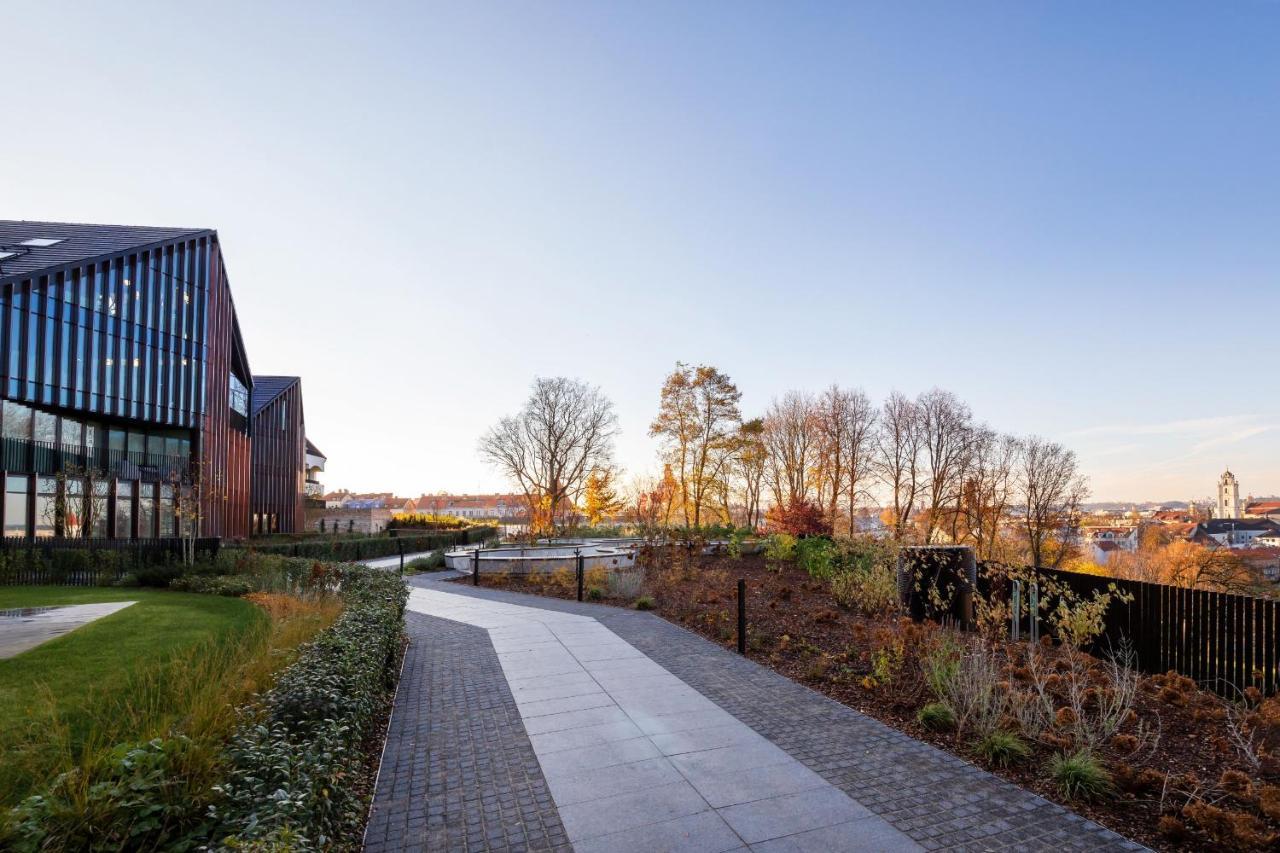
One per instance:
(1002, 748)
(1079, 775)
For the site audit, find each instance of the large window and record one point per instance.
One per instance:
(167, 527)
(73, 521)
(15, 506)
(96, 519)
(46, 428)
(146, 510)
(239, 397)
(47, 509)
(124, 510)
(17, 420)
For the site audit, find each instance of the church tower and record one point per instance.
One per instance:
(1228, 496)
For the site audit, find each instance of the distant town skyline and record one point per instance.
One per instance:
(1063, 213)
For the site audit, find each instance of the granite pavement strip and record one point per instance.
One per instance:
(25, 628)
(529, 723)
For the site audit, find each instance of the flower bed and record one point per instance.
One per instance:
(1154, 758)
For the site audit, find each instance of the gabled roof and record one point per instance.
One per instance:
(77, 243)
(312, 450)
(1218, 526)
(267, 388)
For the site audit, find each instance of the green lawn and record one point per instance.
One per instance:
(118, 678)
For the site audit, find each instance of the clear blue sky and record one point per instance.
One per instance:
(1067, 213)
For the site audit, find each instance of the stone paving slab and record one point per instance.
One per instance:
(23, 630)
(939, 800)
(756, 791)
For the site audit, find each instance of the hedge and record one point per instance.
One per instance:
(368, 549)
(295, 757)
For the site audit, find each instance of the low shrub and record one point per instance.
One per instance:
(229, 585)
(780, 547)
(292, 762)
(432, 562)
(1079, 775)
(1002, 748)
(936, 717)
(644, 602)
(595, 593)
(368, 548)
(872, 591)
(817, 556)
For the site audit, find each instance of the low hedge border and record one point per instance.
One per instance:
(295, 766)
(295, 758)
(372, 547)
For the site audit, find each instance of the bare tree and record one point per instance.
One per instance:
(697, 419)
(749, 460)
(987, 490)
(1050, 490)
(859, 434)
(898, 459)
(791, 438)
(946, 435)
(565, 430)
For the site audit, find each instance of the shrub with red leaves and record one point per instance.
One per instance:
(799, 518)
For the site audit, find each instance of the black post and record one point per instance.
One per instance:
(742, 616)
(400, 547)
(475, 567)
(577, 552)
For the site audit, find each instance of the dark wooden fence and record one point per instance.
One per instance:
(1225, 642)
(88, 562)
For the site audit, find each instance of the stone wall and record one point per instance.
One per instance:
(348, 520)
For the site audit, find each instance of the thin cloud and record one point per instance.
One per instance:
(1189, 425)
(1232, 438)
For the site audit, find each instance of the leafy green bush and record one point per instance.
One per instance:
(936, 717)
(780, 547)
(433, 562)
(292, 763)
(1080, 775)
(644, 602)
(228, 585)
(1002, 748)
(595, 593)
(138, 801)
(872, 591)
(817, 556)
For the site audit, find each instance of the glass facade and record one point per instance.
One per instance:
(114, 369)
(123, 337)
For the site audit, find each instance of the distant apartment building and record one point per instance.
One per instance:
(314, 461)
(511, 508)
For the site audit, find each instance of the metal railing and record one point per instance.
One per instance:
(43, 457)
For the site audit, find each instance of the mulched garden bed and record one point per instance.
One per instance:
(796, 628)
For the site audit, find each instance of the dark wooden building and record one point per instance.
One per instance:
(279, 455)
(123, 371)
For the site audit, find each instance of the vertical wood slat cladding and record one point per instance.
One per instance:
(225, 451)
(279, 456)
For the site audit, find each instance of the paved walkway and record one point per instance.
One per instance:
(525, 723)
(24, 629)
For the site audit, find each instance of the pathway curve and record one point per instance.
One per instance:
(525, 723)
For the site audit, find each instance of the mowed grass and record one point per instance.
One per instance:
(136, 674)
